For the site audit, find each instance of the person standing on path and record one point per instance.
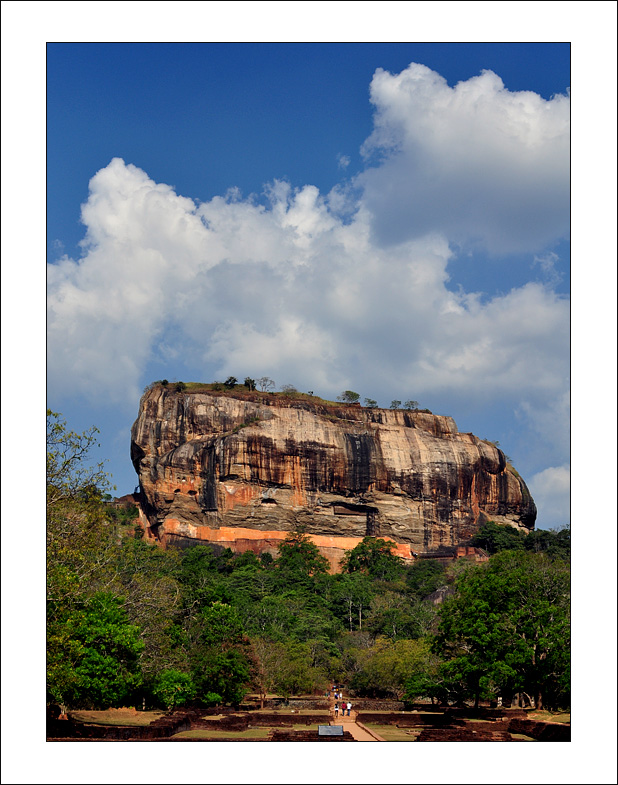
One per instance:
(336, 710)
(349, 707)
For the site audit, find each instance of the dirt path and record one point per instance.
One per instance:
(349, 723)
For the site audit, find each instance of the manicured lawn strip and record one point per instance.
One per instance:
(250, 733)
(202, 733)
(393, 733)
(550, 716)
(117, 718)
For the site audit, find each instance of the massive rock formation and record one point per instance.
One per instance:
(243, 469)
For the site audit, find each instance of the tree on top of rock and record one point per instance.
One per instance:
(348, 396)
(265, 384)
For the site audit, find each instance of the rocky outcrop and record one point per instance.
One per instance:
(243, 469)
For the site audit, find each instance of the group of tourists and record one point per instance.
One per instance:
(344, 706)
(338, 696)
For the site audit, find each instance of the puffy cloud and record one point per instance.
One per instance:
(300, 288)
(550, 489)
(289, 286)
(486, 166)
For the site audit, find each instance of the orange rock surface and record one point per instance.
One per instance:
(243, 471)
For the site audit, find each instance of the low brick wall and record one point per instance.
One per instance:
(262, 719)
(295, 703)
(239, 722)
(407, 720)
(162, 728)
(486, 713)
(373, 704)
(307, 735)
(468, 732)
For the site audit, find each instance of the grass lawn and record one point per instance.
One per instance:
(116, 717)
(550, 716)
(393, 733)
(250, 733)
(202, 733)
(290, 712)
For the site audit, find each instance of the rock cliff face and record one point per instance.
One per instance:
(242, 470)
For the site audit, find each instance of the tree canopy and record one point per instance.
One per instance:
(349, 396)
(506, 629)
(128, 622)
(374, 557)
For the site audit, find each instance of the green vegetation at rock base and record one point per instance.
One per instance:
(131, 624)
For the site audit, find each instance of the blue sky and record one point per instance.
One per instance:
(387, 218)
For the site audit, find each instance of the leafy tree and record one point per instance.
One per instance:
(230, 382)
(93, 654)
(295, 674)
(198, 576)
(144, 575)
(506, 630)
(271, 618)
(69, 475)
(426, 680)
(386, 667)
(348, 396)
(219, 655)
(370, 403)
(265, 384)
(395, 617)
(284, 668)
(424, 577)
(266, 559)
(410, 405)
(493, 537)
(180, 386)
(395, 404)
(249, 383)
(299, 557)
(555, 543)
(82, 549)
(374, 557)
(351, 598)
(174, 688)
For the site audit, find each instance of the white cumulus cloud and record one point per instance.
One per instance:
(550, 489)
(486, 166)
(302, 288)
(285, 286)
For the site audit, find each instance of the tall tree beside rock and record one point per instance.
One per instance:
(506, 630)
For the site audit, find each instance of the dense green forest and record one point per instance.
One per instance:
(131, 624)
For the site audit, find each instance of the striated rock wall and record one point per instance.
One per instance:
(242, 470)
